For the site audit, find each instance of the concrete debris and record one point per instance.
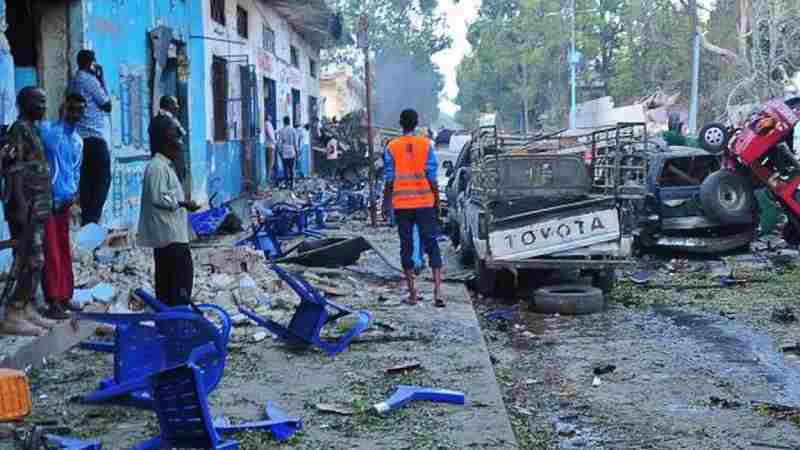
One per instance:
(260, 336)
(784, 315)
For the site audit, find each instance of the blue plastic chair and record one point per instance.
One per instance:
(310, 317)
(68, 443)
(146, 343)
(181, 404)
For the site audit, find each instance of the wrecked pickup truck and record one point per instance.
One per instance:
(558, 203)
(673, 217)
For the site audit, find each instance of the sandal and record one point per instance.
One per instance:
(408, 302)
(439, 303)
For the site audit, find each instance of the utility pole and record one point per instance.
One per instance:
(363, 42)
(573, 63)
(525, 97)
(695, 68)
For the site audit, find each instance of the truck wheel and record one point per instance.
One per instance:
(568, 299)
(727, 197)
(714, 137)
(605, 280)
(486, 278)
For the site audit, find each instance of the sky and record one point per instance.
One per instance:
(457, 17)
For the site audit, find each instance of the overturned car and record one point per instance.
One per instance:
(674, 215)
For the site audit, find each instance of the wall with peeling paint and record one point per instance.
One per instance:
(225, 41)
(117, 30)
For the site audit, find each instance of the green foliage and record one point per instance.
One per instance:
(630, 49)
(403, 36)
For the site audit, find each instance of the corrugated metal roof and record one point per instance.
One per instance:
(311, 18)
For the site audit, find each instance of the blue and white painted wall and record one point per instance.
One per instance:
(224, 158)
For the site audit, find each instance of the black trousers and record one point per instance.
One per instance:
(288, 169)
(174, 274)
(425, 218)
(95, 179)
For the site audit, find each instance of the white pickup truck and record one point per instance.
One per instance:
(527, 209)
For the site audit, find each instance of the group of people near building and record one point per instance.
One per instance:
(288, 144)
(46, 164)
(50, 166)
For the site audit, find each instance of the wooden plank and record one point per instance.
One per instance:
(63, 337)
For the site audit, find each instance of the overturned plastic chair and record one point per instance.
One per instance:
(310, 317)
(181, 404)
(147, 343)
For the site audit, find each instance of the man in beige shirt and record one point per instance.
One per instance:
(163, 221)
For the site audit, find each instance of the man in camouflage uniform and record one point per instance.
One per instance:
(29, 202)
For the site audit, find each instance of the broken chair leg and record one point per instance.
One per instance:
(405, 394)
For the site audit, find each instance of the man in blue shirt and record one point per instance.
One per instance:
(96, 167)
(64, 149)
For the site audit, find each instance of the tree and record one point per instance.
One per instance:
(403, 36)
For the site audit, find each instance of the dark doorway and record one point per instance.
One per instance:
(219, 83)
(271, 101)
(296, 114)
(22, 35)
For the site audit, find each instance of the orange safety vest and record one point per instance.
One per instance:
(412, 189)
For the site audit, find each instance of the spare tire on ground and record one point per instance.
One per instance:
(568, 299)
(727, 197)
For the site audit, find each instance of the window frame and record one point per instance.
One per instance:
(242, 20)
(220, 105)
(313, 70)
(266, 30)
(218, 12)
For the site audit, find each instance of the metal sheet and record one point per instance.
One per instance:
(554, 236)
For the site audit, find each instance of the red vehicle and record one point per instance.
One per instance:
(759, 154)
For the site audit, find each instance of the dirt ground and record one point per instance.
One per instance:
(695, 367)
(447, 344)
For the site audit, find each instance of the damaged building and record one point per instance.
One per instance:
(229, 63)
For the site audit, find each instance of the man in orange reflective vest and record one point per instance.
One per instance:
(412, 191)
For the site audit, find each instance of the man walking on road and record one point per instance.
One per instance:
(163, 221)
(411, 189)
(29, 204)
(287, 144)
(269, 144)
(96, 167)
(64, 149)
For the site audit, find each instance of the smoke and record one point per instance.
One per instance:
(403, 80)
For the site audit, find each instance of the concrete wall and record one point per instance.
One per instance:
(225, 42)
(342, 93)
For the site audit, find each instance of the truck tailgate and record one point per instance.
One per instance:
(555, 234)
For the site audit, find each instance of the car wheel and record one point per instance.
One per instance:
(485, 278)
(568, 299)
(714, 137)
(605, 280)
(727, 197)
(465, 251)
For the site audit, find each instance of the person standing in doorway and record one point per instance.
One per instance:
(411, 190)
(168, 110)
(269, 144)
(96, 166)
(287, 143)
(64, 149)
(28, 205)
(163, 220)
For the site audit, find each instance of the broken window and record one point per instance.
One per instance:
(295, 56)
(687, 171)
(312, 68)
(268, 38)
(219, 85)
(218, 11)
(241, 22)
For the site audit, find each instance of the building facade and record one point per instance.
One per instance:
(229, 62)
(342, 92)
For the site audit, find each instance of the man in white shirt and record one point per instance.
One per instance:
(163, 221)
